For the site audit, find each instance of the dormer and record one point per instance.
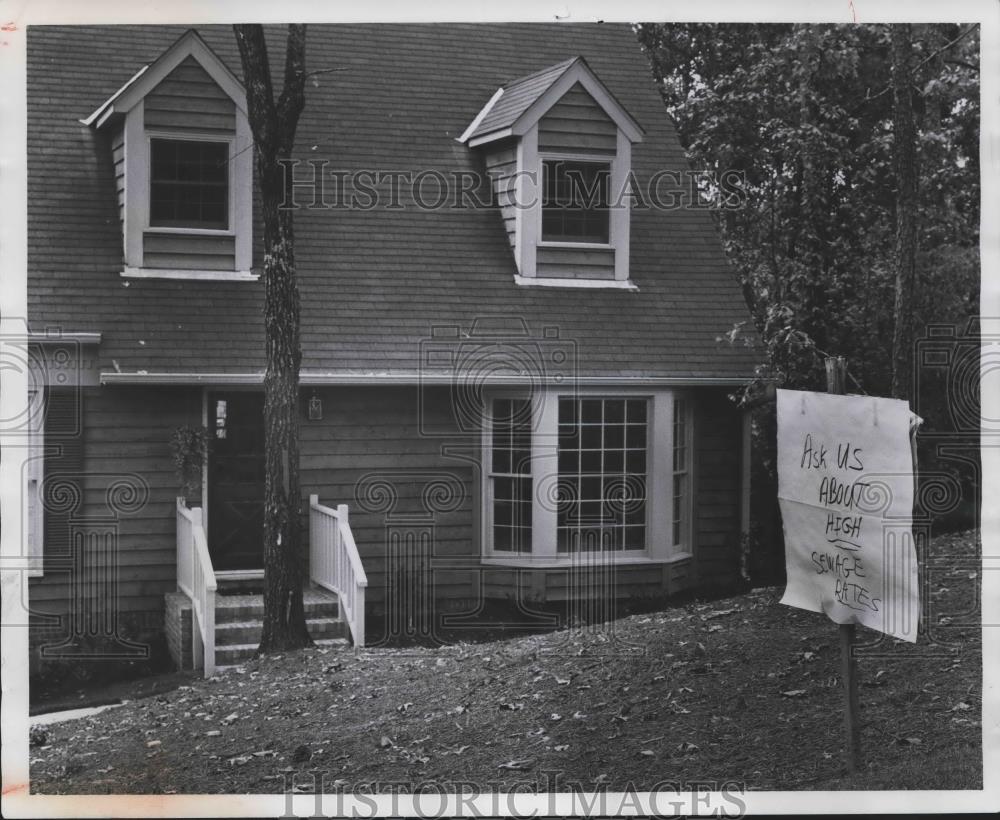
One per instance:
(558, 148)
(182, 151)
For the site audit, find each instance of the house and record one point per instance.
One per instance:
(512, 381)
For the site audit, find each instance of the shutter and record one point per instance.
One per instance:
(62, 494)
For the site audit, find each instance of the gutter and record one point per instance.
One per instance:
(444, 379)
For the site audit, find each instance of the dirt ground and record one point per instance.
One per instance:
(742, 689)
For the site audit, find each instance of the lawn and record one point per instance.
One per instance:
(741, 689)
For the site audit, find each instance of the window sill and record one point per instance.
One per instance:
(527, 562)
(584, 246)
(546, 282)
(166, 229)
(198, 275)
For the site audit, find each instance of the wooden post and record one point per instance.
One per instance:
(836, 377)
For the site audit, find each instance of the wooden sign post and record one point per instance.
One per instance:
(836, 375)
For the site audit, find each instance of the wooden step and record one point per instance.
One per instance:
(318, 603)
(233, 633)
(227, 657)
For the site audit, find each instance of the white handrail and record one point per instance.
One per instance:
(196, 579)
(334, 563)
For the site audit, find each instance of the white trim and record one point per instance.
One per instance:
(33, 510)
(579, 72)
(546, 282)
(582, 246)
(136, 206)
(106, 107)
(308, 379)
(84, 338)
(528, 200)
(182, 135)
(619, 558)
(576, 72)
(202, 275)
(619, 215)
(493, 136)
(147, 78)
(481, 115)
(158, 229)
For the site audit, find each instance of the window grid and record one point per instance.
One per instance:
(575, 201)
(602, 457)
(510, 475)
(680, 471)
(189, 184)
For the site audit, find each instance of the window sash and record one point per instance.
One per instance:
(575, 201)
(680, 459)
(189, 184)
(510, 477)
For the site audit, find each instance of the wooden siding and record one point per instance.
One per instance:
(181, 251)
(577, 124)
(575, 263)
(118, 156)
(375, 433)
(501, 165)
(189, 99)
(717, 479)
(127, 431)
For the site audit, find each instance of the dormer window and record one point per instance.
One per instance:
(181, 148)
(558, 147)
(189, 184)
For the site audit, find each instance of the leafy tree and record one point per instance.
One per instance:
(273, 123)
(805, 113)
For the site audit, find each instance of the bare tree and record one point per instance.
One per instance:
(273, 123)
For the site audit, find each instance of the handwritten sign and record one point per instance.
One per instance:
(845, 487)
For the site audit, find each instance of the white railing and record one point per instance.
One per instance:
(334, 563)
(196, 579)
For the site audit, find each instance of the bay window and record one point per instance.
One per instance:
(586, 474)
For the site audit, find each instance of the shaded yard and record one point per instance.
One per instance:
(740, 689)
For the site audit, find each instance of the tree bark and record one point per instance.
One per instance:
(905, 162)
(273, 124)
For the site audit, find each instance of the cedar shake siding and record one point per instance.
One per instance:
(576, 263)
(501, 166)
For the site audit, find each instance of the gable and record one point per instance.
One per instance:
(188, 97)
(577, 123)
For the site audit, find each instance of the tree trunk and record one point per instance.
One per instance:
(273, 125)
(904, 159)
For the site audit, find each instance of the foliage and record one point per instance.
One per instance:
(188, 449)
(804, 113)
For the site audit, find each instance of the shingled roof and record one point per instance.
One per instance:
(375, 283)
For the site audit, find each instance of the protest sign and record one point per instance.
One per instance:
(845, 488)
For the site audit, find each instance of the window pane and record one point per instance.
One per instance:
(611, 487)
(189, 184)
(575, 201)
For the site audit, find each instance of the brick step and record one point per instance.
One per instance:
(318, 603)
(233, 633)
(235, 654)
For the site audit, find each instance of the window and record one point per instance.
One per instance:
(681, 469)
(602, 475)
(510, 475)
(575, 202)
(189, 184)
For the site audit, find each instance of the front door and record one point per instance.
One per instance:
(236, 481)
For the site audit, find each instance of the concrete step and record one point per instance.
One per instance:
(235, 654)
(318, 603)
(233, 633)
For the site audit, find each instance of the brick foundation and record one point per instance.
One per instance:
(177, 622)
